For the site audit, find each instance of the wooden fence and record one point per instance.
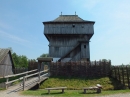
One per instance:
(80, 69)
(32, 65)
(122, 74)
(19, 70)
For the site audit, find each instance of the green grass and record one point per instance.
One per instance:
(2, 89)
(79, 83)
(74, 87)
(72, 93)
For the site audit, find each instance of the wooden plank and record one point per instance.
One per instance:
(20, 73)
(11, 81)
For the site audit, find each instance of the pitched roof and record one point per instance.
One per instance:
(3, 53)
(69, 18)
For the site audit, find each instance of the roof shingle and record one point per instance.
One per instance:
(68, 18)
(65, 18)
(3, 53)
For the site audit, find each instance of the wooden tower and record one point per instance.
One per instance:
(68, 37)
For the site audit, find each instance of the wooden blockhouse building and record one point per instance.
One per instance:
(69, 37)
(6, 63)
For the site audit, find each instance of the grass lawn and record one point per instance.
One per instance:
(72, 93)
(78, 83)
(75, 85)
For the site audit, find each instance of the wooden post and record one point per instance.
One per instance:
(128, 77)
(84, 91)
(39, 76)
(62, 90)
(100, 68)
(95, 69)
(119, 75)
(115, 73)
(123, 76)
(7, 79)
(23, 83)
(26, 77)
(48, 91)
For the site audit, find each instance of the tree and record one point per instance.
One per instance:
(19, 60)
(15, 59)
(44, 55)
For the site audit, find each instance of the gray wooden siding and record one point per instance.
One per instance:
(77, 57)
(68, 28)
(67, 41)
(59, 53)
(85, 53)
(6, 66)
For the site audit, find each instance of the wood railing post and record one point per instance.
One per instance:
(7, 79)
(23, 83)
(26, 75)
(39, 76)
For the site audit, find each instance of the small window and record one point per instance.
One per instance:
(73, 25)
(84, 46)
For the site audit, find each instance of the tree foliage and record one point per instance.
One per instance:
(44, 55)
(19, 60)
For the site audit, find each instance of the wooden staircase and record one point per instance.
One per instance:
(67, 54)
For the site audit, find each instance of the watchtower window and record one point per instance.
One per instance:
(84, 46)
(73, 25)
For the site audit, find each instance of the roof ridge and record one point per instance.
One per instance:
(68, 18)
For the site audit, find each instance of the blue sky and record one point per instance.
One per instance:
(21, 26)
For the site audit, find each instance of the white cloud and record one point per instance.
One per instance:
(11, 37)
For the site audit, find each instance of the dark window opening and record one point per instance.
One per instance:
(84, 46)
(73, 25)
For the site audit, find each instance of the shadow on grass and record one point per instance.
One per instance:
(53, 93)
(81, 78)
(117, 84)
(89, 93)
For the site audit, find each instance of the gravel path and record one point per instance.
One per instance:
(118, 95)
(7, 93)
